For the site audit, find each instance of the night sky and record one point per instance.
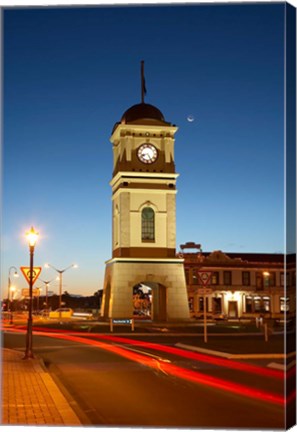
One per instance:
(69, 75)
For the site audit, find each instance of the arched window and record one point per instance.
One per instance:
(147, 224)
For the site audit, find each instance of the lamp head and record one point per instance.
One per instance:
(32, 236)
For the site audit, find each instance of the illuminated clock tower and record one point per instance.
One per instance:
(144, 218)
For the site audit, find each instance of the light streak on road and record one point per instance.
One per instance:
(176, 371)
(218, 361)
(161, 359)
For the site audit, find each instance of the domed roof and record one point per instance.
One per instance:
(142, 111)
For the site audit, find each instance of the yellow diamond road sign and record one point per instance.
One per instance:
(35, 273)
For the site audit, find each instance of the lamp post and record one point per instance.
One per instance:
(32, 236)
(46, 283)
(10, 289)
(60, 278)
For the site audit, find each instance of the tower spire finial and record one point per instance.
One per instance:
(143, 88)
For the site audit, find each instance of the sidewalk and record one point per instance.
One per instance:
(29, 394)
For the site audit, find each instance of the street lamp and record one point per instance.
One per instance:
(46, 283)
(60, 278)
(32, 236)
(10, 290)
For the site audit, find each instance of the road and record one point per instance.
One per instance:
(111, 381)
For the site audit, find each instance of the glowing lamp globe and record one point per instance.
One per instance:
(32, 236)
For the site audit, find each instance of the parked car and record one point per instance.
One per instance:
(61, 313)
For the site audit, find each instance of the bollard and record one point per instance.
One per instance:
(205, 318)
(132, 324)
(111, 325)
(265, 332)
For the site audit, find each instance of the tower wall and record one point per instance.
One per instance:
(123, 275)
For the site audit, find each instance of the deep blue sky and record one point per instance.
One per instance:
(70, 73)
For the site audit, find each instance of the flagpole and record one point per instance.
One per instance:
(142, 82)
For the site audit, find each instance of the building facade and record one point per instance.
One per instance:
(241, 285)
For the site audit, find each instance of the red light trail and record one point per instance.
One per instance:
(218, 361)
(170, 369)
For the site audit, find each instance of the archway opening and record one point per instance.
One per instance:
(149, 301)
(142, 301)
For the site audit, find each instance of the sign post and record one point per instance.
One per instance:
(204, 278)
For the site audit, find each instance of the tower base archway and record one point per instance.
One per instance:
(165, 278)
(149, 301)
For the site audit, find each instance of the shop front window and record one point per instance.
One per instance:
(284, 304)
(217, 305)
(249, 304)
(201, 304)
(266, 304)
(257, 304)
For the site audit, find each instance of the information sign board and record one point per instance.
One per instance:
(26, 292)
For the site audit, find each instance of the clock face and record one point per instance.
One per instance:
(147, 153)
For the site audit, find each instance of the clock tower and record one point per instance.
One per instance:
(144, 268)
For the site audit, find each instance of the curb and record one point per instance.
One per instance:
(236, 356)
(66, 412)
(203, 350)
(68, 415)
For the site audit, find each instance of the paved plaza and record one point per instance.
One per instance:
(29, 394)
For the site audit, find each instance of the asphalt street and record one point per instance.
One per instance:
(119, 384)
